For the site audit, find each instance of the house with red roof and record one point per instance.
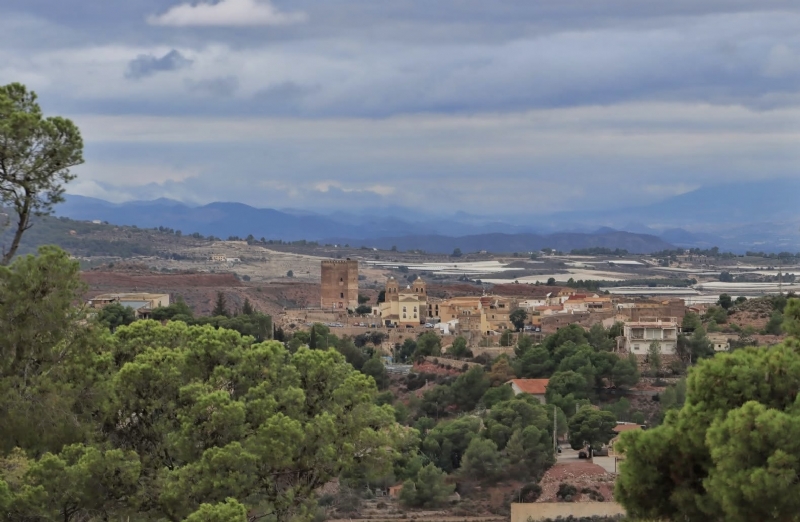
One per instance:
(535, 387)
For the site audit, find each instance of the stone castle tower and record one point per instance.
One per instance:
(339, 286)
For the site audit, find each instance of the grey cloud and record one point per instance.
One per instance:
(750, 60)
(223, 86)
(383, 60)
(411, 21)
(146, 65)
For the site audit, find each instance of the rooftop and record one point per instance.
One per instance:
(141, 296)
(619, 428)
(532, 386)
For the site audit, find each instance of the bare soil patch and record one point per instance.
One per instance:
(582, 475)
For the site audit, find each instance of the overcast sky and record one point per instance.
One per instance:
(482, 106)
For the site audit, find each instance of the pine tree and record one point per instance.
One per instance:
(221, 306)
(312, 338)
(247, 307)
(654, 357)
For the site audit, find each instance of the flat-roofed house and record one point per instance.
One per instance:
(142, 303)
(639, 335)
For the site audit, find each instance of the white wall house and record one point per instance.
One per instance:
(638, 336)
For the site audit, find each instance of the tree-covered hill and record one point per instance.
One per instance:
(83, 238)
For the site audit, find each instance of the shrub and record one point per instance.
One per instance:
(530, 492)
(593, 494)
(566, 492)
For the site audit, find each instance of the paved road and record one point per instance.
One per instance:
(567, 455)
(607, 463)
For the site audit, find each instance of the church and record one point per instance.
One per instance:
(404, 306)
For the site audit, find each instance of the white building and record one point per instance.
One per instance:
(639, 335)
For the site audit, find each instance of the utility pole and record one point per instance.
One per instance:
(555, 429)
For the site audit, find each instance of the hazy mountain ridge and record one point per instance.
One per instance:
(758, 215)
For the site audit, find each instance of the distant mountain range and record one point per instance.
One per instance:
(737, 217)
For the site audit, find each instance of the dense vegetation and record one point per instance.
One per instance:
(159, 422)
(247, 322)
(111, 419)
(731, 451)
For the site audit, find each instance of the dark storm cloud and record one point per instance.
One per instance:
(147, 65)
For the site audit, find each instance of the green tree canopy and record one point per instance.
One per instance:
(590, 427)
(156, 420)
(530, 452)
(375, 368)
(600, 339)
(469, 387)
(115, 315)
(178, 310)
(446, 443)
(515, 414)
(427, 489)
(229, 511)
(220, 306)
(428, 344)
(497, 394)
(654, 357)
(459, 348)
(44, 349)
(36, 154)
(731, 452)
(482, 460)
(518, 318)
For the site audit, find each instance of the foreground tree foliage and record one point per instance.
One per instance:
(732, 451)
(36, 154)
(159, 422)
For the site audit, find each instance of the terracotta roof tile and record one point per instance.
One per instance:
(619, 428)
(532, 386)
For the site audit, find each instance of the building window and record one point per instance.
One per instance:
(415, 316)
(404, 316)
(415, 308)
(341, 295)
(635, 347)
(404, 309)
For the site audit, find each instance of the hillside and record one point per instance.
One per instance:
(199, 290)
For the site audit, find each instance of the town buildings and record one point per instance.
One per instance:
(339, 287)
